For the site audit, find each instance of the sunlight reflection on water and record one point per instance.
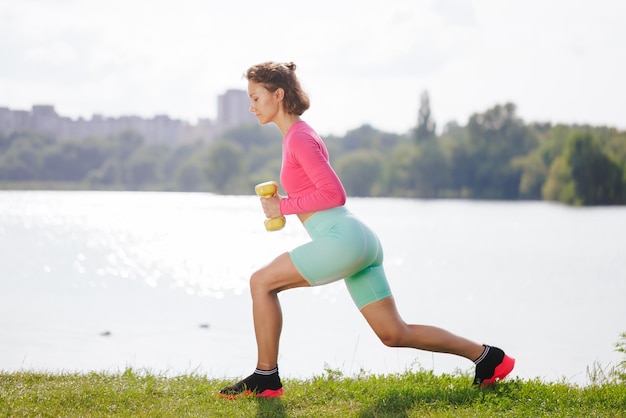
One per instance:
(204, 244)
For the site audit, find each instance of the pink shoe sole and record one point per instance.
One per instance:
(501, 371)
(267, 393)
(271, 393)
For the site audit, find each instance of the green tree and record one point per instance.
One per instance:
(425, 123)
(269, 170)
(431, 170)
(21, 160)
(190, 176)
(251, 135)
(175, 159)
(534, 175)
(584, 174)
(495, 139)
(258, 159)
(225, 166)
(115, 170)
(126, 143)
(14, 166)
(401, 178)
(144, 168)
(559, 185)
(110, 174)
(364, 137)
(537, 163)
(5, 142)
(597, 178)
(188, 168)
(360, 172)
(73, 160)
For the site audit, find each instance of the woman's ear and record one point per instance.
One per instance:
(279, 94)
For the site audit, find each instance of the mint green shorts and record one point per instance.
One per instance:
(343, 247)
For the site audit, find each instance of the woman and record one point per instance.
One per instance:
(342, 247)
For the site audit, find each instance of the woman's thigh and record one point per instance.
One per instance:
(383, 317)
(342, 249)
(279, 274)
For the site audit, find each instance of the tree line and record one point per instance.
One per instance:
(495, 155)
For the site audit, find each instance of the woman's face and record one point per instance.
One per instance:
(263, 103)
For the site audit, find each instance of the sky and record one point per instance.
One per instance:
(361, 61)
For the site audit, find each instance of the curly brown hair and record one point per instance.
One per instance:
(275, 75)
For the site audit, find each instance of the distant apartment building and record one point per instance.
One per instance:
(233, 109)
(161, 129)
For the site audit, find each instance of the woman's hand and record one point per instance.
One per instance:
(271, 206)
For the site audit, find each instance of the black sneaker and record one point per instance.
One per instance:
(492, 366)
(259, 385)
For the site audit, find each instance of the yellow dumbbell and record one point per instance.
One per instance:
(269, 189)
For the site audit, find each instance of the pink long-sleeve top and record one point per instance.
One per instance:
(308, 179)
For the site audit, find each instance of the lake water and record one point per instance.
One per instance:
(102, 281)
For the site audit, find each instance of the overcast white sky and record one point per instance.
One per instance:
(361, 61)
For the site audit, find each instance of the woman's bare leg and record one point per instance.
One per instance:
(281, 274)
(386, 322)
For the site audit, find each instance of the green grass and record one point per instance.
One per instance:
(410, 394)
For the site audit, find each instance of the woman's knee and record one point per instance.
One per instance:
(259, 282)
(386, 323)
(393, 336)
(265, 281)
